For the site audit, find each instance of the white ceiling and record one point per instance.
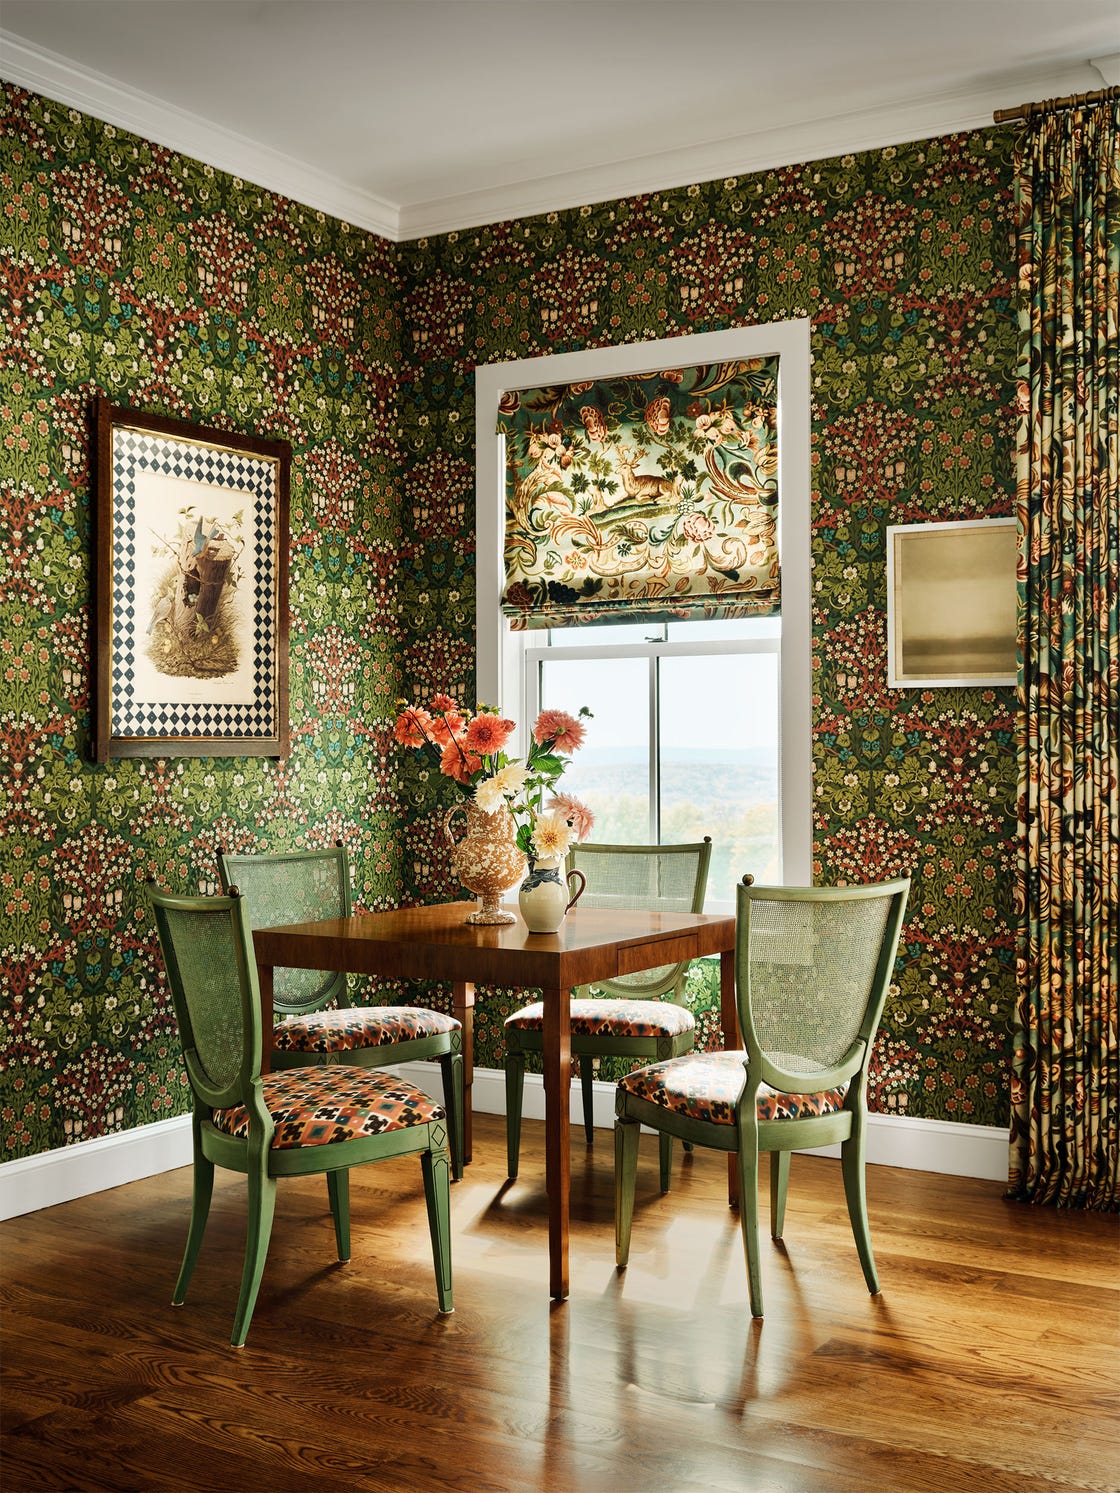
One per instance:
(418, 116)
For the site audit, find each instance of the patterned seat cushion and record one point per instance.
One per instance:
(707, 1086)
(364, 1026)
(318, 1106)
(610, 1018)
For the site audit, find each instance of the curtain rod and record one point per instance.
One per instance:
(1052, 105)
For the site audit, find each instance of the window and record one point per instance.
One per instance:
(701, 727)
(684, 741)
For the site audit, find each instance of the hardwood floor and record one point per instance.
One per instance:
(989, 1362)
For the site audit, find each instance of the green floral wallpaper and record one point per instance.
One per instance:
(153, 279)
(902, 259)
(134, 272)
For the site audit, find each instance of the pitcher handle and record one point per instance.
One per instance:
(458, 808)
(582, 885)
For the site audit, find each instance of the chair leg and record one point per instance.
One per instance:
(626, 1133)
(665, 1158)
(515, 1088)
(437, 1195)
(338, 1190)
(748, 1217)
(452, 1065)
(586, 1079)
(262, 1206)
(779, 1182)
(851, 1163)
(203, 1190)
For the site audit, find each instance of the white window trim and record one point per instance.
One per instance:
(500, 649)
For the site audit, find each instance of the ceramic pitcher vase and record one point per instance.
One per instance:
(486, 860)
(545, 895)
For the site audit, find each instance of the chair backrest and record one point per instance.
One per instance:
(208, 953)
(813, 967)
(299, 886)
(658, 878)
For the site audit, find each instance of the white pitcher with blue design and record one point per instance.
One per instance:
(545, 896)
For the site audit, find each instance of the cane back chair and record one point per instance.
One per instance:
(812, 970)
(293, 1122)
(317, 1024)
(626, 1019)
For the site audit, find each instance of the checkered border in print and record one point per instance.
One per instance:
(138, 451)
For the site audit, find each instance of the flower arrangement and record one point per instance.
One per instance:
(470, 747)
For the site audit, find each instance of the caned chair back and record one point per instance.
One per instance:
(301, 886)
(655, 878)
(207, 951)
(813, 968)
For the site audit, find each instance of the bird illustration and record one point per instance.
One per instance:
(160, 612)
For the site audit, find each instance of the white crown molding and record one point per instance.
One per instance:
(77, 87)
(785, 145)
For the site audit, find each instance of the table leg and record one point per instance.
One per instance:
(557, 1054)
(729, 1020)
(268, 1018)
(462, 1008)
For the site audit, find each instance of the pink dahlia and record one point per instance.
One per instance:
(458, 763)
(413, 727)
(558, 729)
(449, 722)
(488, 734)
(575, 813)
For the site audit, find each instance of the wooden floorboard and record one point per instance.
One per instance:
(988, 1363)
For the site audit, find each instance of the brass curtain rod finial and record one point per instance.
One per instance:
(1051, 106)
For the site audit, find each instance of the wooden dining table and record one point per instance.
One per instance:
(437, 943)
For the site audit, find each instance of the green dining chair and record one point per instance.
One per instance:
(626, 1019)
(316, 1022)
(812, 970)
(292, 1122)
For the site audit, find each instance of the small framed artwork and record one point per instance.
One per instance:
(191, 589)
(951, 603)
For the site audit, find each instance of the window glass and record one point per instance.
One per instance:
(719, 763)
(611, 772)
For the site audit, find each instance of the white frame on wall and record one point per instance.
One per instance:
(501, 650)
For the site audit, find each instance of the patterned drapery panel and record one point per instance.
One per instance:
(1066, 1064)
(645, 496)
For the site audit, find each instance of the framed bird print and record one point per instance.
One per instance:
(191, 589)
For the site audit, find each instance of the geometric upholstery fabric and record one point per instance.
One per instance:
(604, 1017)
(318, 1106)
(708, 1086)
(358, 1027)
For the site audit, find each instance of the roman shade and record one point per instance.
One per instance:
(644, 497)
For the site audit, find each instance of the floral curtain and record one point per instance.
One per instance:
(1066, 1063)
(646, 496)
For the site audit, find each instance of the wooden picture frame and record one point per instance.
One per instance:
(951, 599)
(190, 589)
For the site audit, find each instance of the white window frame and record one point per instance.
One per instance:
(501, 651)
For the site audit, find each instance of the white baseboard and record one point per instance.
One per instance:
(34, 1182)
(892, 1140)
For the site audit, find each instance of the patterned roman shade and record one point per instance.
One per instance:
(644, 497)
